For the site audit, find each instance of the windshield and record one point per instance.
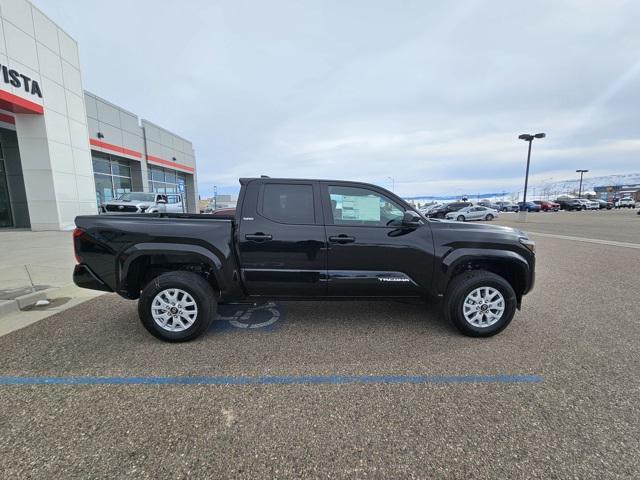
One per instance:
(137, 197)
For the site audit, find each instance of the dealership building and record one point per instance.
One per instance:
(63, 150)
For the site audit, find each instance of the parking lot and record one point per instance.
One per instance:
(365, 390)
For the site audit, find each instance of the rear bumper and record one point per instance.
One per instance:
(83, 277)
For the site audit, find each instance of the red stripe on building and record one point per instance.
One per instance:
(7, 119)
(167, 163)
(16, 104)
(115, 148)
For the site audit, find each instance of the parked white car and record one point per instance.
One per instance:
(625, 202)
(143, 202)
(475, 212)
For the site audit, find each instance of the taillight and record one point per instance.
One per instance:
(77, 233)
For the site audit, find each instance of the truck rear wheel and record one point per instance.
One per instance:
(177, 306)
(480, 303)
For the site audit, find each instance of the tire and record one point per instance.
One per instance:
(177, 327)
(460, 218)
(462, 286)
(489, 217)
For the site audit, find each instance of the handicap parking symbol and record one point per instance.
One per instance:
(266, 316)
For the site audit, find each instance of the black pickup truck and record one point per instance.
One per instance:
(304, 239)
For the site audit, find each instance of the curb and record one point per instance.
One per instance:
(23, 301)
(8, 306)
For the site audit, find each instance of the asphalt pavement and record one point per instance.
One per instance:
(578, 333)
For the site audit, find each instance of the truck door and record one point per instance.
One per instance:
(174, 204)
(281, 239)
(371, 253)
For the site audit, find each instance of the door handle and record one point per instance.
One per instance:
(342, 238)
(258, 237)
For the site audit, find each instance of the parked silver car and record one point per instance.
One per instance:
(589, 204)
(425, 209)
(475, 212)
(143, 202)
(508, 206)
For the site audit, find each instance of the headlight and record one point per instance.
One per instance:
(530, 244)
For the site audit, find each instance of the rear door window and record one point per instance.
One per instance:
(288, 203)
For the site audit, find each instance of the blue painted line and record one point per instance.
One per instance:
(275, 380)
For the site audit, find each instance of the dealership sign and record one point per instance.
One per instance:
(18, 80)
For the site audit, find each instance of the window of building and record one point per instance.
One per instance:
(6, 218)
(101, 165)
(121, 169)
(162, 180)
(156, 174)
(112, 177)
(359, 206)
(291, 204)
(169, 176)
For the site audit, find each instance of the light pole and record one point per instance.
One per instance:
(215, 197)
(393, 184)
(528, 138)
(581, 172)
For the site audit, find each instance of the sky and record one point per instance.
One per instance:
(424, 97)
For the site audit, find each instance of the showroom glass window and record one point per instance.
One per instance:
(164, 180)
(363, 207)
(292, 204)
(6, 219)
(112, 176)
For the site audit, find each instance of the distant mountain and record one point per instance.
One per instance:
(543, 190)
(589, 183)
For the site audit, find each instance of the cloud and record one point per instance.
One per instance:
(432, 94)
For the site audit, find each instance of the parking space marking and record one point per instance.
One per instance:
(587, 240)
(274, 380)
(265, 317)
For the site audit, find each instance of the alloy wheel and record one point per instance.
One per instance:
(483, 307)
(174, 310)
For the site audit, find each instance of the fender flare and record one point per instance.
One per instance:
(459, 256)
(126, 258)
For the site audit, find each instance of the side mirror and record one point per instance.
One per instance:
(411, 219)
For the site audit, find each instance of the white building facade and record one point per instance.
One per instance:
(64, 150)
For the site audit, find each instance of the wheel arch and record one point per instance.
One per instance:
(139, 264)
(509, 265)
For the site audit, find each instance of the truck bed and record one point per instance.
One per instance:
(202, 216)
(102, 239)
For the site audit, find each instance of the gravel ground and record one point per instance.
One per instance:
(621, 225)
(579, 329)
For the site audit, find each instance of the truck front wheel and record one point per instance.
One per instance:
(177, 306)
(480, 303)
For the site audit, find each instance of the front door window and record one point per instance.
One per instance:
(362, 207)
